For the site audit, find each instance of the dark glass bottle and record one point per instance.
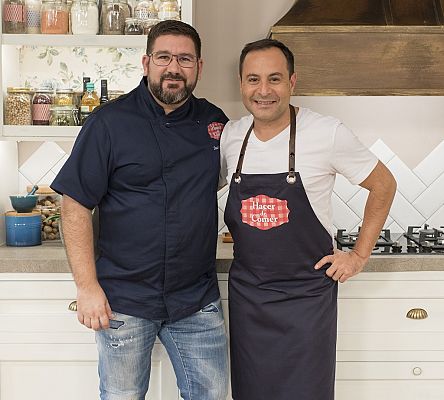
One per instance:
(103, 91)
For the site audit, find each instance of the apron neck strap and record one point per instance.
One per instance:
(291, 177)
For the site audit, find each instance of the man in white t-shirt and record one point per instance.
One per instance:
(281, 162)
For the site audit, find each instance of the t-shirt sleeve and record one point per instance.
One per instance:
(84, 176)
(350, 157)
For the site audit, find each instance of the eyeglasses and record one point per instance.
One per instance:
(163, 59)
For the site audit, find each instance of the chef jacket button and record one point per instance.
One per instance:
(167, 124)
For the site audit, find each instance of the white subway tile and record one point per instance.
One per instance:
(344, 189)
(432, 166)
(382, 151)
(431, 199)
(357, 202)
(404, 213)
(343, 216)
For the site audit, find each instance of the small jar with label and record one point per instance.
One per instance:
(41, 103)
(145, 10)
(63, 116)
(133, 26)
(114, 94)
(33, 8)
(18, 106)
(64, 97)
(14, 16)
(113, 15)
(169, 9)
(84, 17)
(148, 24)
(54, 18)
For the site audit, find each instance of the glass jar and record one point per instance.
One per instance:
(48, 203)
(14, 17)
(33, 16)
(145, 9)
(113, 15)
(84, 17)
(63, 116)
(133, 26)
(147, 24)
(18, 106)
(41, 102)
(169, 9)
(64, 97)
(54, 17)
(114, 94)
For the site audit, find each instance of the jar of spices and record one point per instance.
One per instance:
(145, 9)
(14, 16)
(84, 17)
(64, 97)
(41, 102)
(18, 106)
(169, 9)
(33, 16)
(133, 26)
(63, 116)
(54, 17)
(113, 15)
(147, 24)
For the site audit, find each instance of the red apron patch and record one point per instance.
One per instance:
(215, 129)
(264, 212)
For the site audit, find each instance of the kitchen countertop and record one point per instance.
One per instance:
(51, 257)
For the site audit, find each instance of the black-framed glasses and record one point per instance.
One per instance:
(163, 59)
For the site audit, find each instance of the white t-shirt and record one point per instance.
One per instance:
(324, 147)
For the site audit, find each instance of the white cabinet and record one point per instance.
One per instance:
(46, 354)
(382, 354)
(10, 68)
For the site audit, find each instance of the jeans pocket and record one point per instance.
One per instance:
(210, 308)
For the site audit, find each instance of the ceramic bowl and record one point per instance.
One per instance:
(24, 203)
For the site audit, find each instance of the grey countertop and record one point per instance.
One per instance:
(51, 257)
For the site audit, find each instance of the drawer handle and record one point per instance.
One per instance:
(417, 313)
(417, 371)
(72, 306)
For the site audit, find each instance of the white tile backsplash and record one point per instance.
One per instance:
(419, 198)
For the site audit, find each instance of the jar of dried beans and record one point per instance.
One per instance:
(18, 106)
(41, 102)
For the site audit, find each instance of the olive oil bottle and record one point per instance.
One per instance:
(90, 101)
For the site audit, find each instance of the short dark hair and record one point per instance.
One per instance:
(173, 27)
(264, 44)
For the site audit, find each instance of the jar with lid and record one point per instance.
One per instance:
(133, 26)
(41, 102)
(14, 16)
(63, 116)
(114, 94)
(33, 16)
(54, 17)
(147, 24)
(18, 106)
(144, 10)
(113, 15)
(84, 17)
(48, 203)
(64, 97)
(169, 9)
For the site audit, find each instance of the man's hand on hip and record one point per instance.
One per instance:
(93, 309)
(343, 266)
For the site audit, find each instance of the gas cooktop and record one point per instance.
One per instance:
(417, 240)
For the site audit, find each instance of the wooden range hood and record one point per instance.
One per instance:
(366, 47)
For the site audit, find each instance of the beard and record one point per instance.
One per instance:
(172, 96)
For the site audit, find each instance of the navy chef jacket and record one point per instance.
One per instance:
(154, 178)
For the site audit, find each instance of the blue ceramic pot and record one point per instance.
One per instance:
(23, 229)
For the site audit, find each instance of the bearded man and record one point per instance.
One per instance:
(150, 161)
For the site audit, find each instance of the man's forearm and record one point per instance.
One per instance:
(78, 237)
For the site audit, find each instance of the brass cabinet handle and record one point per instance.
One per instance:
(417, 371)
(73, 306)
(417, 313)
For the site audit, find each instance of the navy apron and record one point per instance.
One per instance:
(283, 312)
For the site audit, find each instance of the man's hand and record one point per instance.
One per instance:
(93, 309)
(344, 265)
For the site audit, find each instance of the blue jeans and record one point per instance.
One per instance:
(196, 345)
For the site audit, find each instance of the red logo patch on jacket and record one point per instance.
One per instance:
(264, 212)
(215, 129)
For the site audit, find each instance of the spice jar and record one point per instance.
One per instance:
(33, 8)
(169, 9)
(113, 15)
(148, 24)
(145, 9)
(63, 116)
(84, 17)
(64, 97)
(49, 205)
(41, 102)
(14, 16)
(18, 106)
(54, 17)
(133, 26)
